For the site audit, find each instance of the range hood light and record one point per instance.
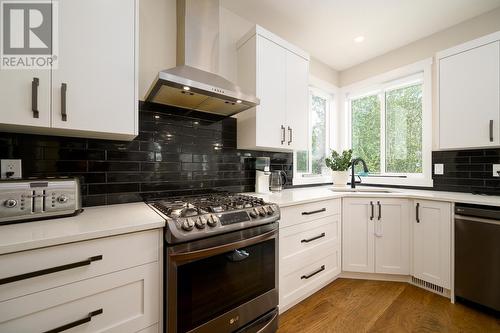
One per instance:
(238, 101)
(186, 88)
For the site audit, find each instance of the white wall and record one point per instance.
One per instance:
(323, 72)
(157, 40)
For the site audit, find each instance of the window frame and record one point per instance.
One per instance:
(380, 85)
(324, 89)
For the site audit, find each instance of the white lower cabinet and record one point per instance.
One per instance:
(432, 242)
(118, 292)
(309, 250)
(376, 235)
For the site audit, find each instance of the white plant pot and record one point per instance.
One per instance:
(340, 178)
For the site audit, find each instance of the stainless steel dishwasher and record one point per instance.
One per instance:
(477, 254)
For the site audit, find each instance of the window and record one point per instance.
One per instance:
(386, 129)
(310, 164)
(389, 126)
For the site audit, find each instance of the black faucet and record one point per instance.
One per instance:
(353, 164)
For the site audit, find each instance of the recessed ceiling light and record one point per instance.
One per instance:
(186, 88)
(359, 39)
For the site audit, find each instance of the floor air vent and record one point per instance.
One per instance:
(427, 285)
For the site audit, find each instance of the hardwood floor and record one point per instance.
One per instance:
(348, 305)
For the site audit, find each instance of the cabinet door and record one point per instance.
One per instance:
(431, 242)
(271, 89)
(469, 88)
(392, 237)
(97, 66)
(297, 101)
(18, 94)
(357, 236)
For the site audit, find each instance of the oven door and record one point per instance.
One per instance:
(222, 283)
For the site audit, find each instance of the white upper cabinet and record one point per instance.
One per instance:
(469, 94)
(93, 90)
(24, 98)
(278, 73)
(432, 242)
(97, 66)
(297, 101)
(271, 91)
(376, 236)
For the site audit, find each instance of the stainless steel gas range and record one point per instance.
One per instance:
(221, 263)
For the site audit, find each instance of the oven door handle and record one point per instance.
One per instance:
(211, 251)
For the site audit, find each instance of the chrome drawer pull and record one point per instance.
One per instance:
(51, 270)
(313, 238)
(314, 211)
(321, 269)
(76, 322)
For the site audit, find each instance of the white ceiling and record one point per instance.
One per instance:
(326, 28)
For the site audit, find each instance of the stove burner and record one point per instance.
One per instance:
(190, 218)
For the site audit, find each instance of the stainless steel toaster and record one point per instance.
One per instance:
(26, 200)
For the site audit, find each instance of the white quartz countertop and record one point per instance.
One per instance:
(93, 222)
(290, 197)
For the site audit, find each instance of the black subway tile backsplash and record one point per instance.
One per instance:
(467, 171)
(177, 152)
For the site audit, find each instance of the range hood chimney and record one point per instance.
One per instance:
(194, 82)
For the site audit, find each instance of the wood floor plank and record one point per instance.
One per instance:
(348, 305)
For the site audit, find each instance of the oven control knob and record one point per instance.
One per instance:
(62, 199)
(10, 203)
(262, 212)
(253, 214)
(201, 222)
(212, 221)
(188, 225)
(270, 210)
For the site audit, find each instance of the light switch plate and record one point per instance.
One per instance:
(10, 169)
(439, 169)
(496, 170)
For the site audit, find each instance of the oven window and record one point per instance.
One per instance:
(210, 287)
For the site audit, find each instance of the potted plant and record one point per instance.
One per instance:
(339, 163)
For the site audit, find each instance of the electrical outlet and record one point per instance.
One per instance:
(439, 169)
(10, 169)
(496, 170)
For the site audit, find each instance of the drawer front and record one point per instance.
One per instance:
(301, 283)
(303, 243)
(308, 212)
(125, 301)
(68, 263)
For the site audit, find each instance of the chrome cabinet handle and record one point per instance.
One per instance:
(372, 211)
(64, 115)
(417, 213)
(290, 133)
(321, 269)
(51, 270)
(313, 238)
(34, 97)
(283, 139)
(491, 130)
(76, 323)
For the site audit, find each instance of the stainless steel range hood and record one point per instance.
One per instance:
(194, 83)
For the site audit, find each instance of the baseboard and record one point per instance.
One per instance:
(376, 276)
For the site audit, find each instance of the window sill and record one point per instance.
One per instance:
(398, 181)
